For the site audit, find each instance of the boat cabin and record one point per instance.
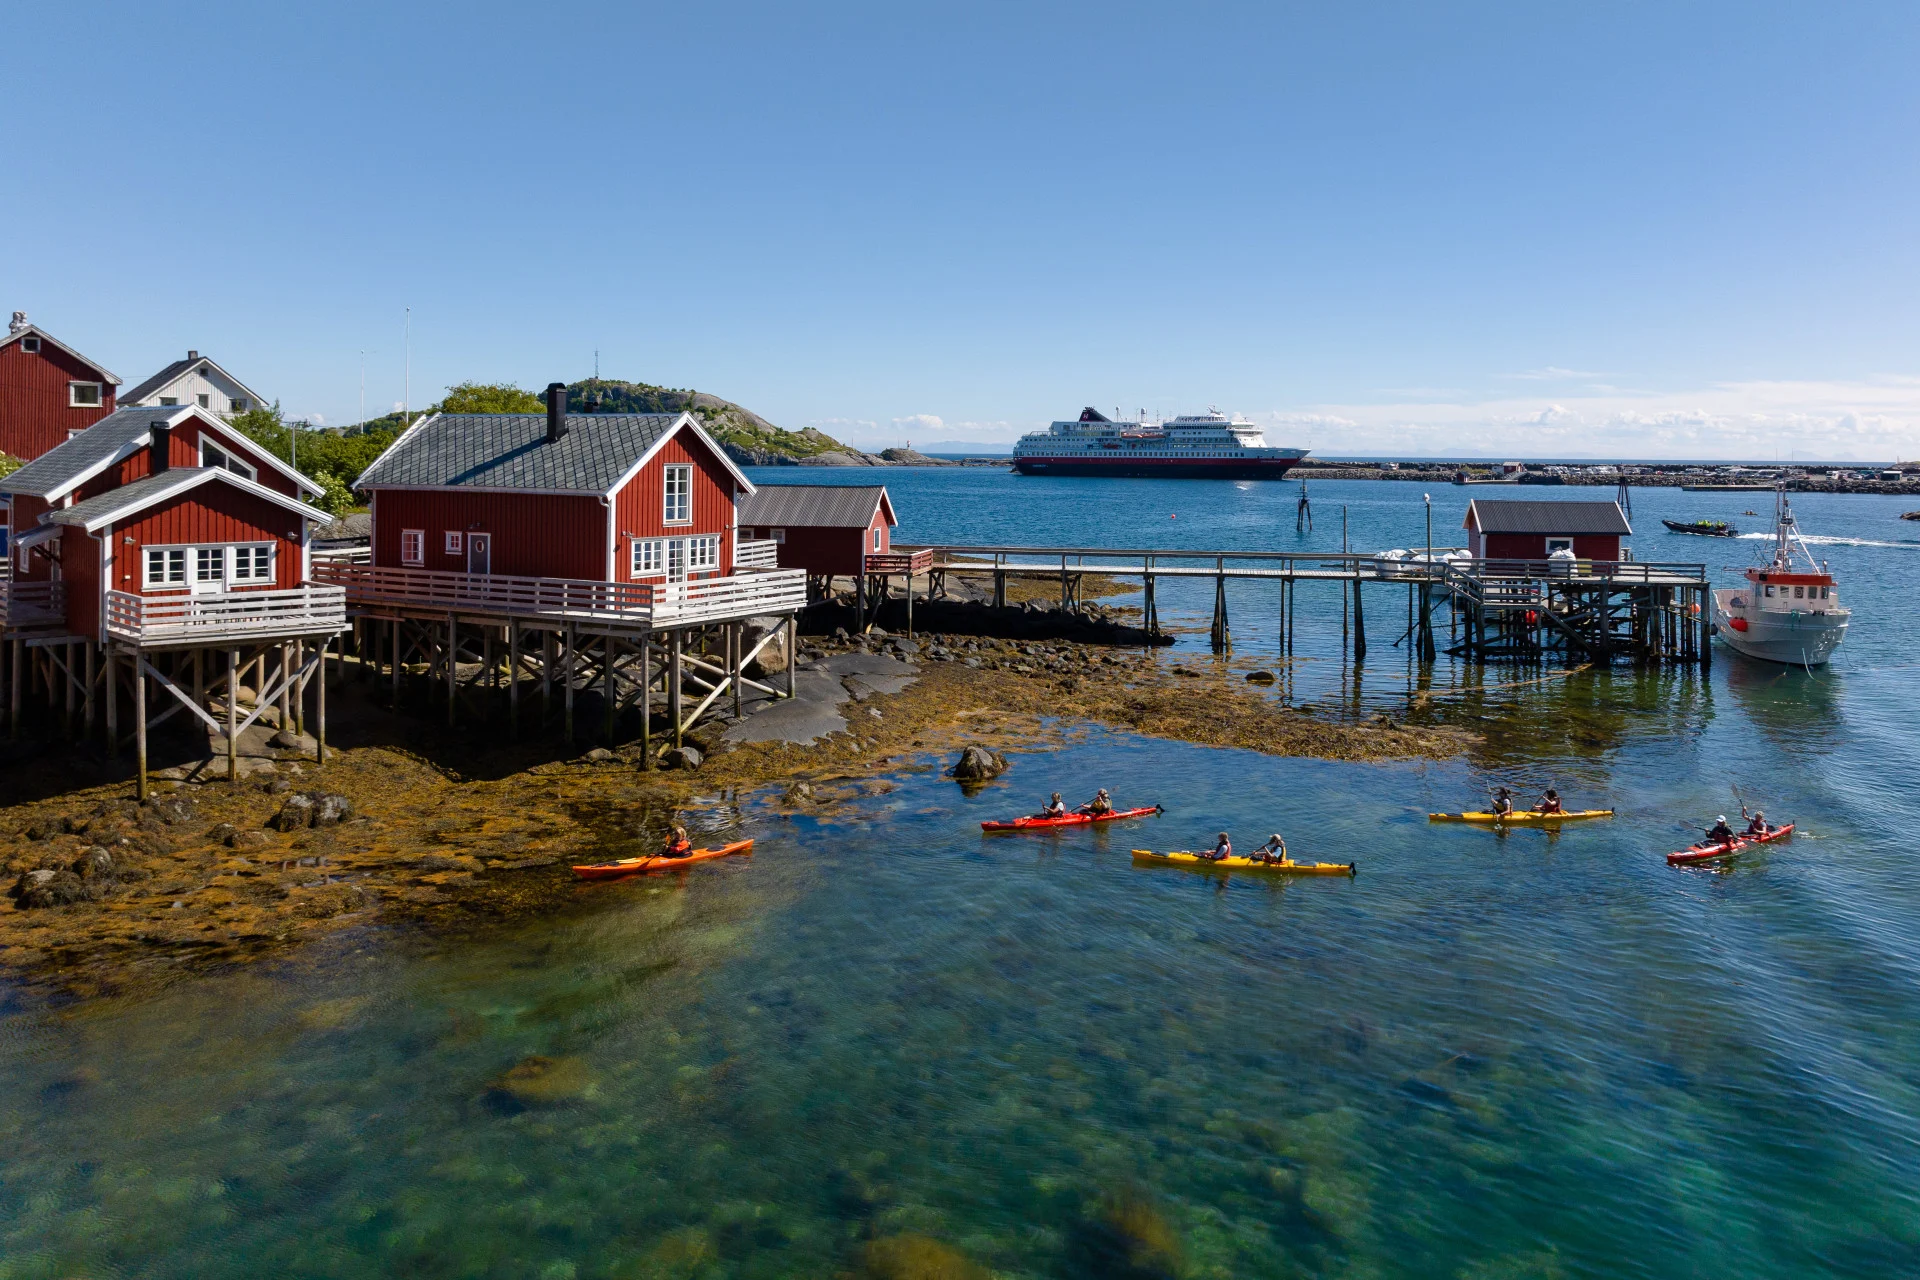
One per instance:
(1536, 528)
(827, 530)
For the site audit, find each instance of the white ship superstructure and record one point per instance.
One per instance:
(1207, 445)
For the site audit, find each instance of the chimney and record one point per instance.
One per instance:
(162, 437)
(193, 355)
(556, 411)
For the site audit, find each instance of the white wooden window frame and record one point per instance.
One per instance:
(453, 542)
(73, 395)
(216, 455)
(876, 539)
(676, 486)
(30, 345)
(649, 557)
(703, 553)
(778, 535)
(204, 400)
(413, 546)
(172, 562)
(1558, 544)
(239, 404)
(251, 563)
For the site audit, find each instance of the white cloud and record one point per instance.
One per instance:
(1872, 420)
(1552, 373)
(398, 406)
(316, 419)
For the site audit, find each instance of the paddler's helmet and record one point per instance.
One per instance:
(1103, 791)
(1723, 817)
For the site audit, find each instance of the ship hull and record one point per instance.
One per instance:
(1157, 468)
(1796, 639)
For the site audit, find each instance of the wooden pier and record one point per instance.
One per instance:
(1492, 610)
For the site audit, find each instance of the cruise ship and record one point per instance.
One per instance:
(1201, 446)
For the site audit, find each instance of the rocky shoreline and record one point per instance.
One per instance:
(411, 823)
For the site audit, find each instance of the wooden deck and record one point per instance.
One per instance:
(186, 621)
(626, 606)
(32, 609)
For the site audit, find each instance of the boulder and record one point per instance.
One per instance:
(47, 888)
(771, 660)
(222, 832)
(248, 840)
(171, 809)
(295, 814)
(95, 864)
(1261, 677)
(329, 808)
(599, 755)
(288, 740)
(687, 757)
(977, 764)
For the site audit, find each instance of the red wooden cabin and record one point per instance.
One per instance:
(827, 530)
(153, 523)
(595, 497)
(1535, 528)
(48, 391)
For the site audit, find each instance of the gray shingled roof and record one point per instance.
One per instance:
(1550, 516)
(146, 489)
(55, 471)
(510, 451)
(803, 506)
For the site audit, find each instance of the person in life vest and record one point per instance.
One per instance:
(1222, 849)
(1502, 801)
(1056, 807)
(1720, 832)
(1550, 803)
(1101, 803)
(678, 846)
(1274, 850)
(1756, 825)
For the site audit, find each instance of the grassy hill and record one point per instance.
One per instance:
(747, 435)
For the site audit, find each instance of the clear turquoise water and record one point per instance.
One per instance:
(1531, 1055)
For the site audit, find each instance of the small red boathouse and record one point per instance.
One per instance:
(1533, 529)
(828, 530)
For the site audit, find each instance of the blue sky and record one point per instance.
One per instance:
(1659, 229)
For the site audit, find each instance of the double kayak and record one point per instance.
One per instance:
(635, 866)
(1284, 866)
(1519, 817)
(1711, 852)
(1068, 820)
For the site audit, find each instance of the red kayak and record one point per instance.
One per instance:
(1709, 852)
(1070, 820)
(634, 866)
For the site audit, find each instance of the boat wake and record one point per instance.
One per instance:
(1822, 540)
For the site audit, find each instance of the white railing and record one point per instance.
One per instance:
(33, 606)
(233, 615)
(636, 603)
(763, 553)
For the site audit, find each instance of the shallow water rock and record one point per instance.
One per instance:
(687, 757)
(95, 864)
(1261, 677)
(1127, 1239)
(919, 1258)
(248, 840)
(288, 740)
(330, 808)
(47, 888)
(539, 1081)
(295, 814)
(977, 764)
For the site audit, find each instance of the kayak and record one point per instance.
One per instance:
(631, 866)
(1709, 852)
(1070, 820)
(1519, 816)
(1285, 867)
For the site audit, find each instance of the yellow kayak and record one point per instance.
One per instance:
(1520, 816)
(1285, 866)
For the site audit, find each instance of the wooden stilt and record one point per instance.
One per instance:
(736, 635)
(513, 677)
(320, 707)
(673, 682)
(1359, 624)
(546, 677)
(67, 720)
(86, 717)
(453, 667)
(233, 714)
(646, 700)
(111, 686)
(793, 644)
(19, 653)
(140, 727)
(607, 686)
(393, 655)
(566, 675)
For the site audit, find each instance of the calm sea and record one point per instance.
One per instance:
(1486, 1056)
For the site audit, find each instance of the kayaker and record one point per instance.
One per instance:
(1223, 849)
(1101, 803)
(1550, 803)
(1720, 832)
(1274, 850)
(678, 846)
(1502, 801)
(1757, 825)
(1056, 807)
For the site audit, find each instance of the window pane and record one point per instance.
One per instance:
(209, 564)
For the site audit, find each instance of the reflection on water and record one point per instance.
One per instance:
(1797, 709)
(887, 1042)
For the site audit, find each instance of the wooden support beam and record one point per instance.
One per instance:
(320, 708)
(140, 732)
(513, 677)
(1359, 624)
(566, 675)
(233, 718)
(673, 675)
(646, 701)
(453, 667)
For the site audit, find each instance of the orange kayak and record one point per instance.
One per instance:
(634, 866)
(1711, 852)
